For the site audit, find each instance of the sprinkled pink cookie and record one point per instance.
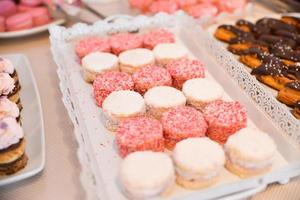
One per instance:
(167, 6)
(183, 3)
(92, 44)
(19, 21)
(40, 16)
(181, 123)
(125, 41)
(156, 37)
(199, 10)
(139, 134)
(2, 24)
(224, 119)
(184, 69)
(142, 5)
(149, 77)
(108, 82)
(231, 5)
(7, 8)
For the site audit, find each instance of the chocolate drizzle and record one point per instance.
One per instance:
(295, 85)
(297, 105)
(241, 36)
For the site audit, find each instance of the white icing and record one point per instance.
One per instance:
(146, 174)
(123, 103)
(198, 156)
(197, 177)
(136, 57)
(169, 51)
(10, 132)
(203, 90)
(99, 61)
(6, 66)
(164, 97)
(250, 145)
(8, 108)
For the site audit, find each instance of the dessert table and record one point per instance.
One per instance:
(61, 177)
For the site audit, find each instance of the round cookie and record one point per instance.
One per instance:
(125, 41)
(155, 37)
(161, 98)
(166, 6)
(92, 44)
(146, 174)
(167, 52)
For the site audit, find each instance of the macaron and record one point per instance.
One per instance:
(40, 16)
(161, 98)
(198, 162)
(200, 92)
(146, 175)
(134, 59)
(19, 21)
(31, 3)
(2, 24)
(96, 63)
(120, 105)
(249, 152)
(166, 52)
(7, 8)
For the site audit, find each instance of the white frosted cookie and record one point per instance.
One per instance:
(159, 99)
(166, 52)
(134, 59)
(198, 162)
(97, 62)
(146, 174)
(200, 91)
(249, 152)
(122, 104)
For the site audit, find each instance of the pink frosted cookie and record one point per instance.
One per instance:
(88, 45)
(40, 16)
(2, 24)
(139, 134)
(181, 123)
(184, 69)
(149, 77)
(183, 3)
(224, 119)
(7, 8)
(19, 21)
(199, 10)
(142, 5)
(125, 41)
(156, 37)
(167, 6)
(108, 82)
(231, 5)
(31, 3)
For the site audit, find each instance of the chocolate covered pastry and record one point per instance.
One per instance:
(290, 94)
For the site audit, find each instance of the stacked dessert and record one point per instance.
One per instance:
(27, 14)
(270, 48)
(12, 142)
(195, 8)
(155, 97)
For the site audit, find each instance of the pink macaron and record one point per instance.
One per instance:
(31, 3)
(19, 21)
(2, 24)
(40, 16)
(23, 8)
(7, 8)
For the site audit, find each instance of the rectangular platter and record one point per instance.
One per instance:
(98, 154)
(32, 121)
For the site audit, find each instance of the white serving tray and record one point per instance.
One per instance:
(97, 152)
(32, 121)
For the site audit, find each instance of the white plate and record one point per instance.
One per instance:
(35, 30)
(32, 121)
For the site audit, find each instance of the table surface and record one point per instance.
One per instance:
(60, 178)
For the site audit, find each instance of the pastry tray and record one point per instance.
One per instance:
(97, 151)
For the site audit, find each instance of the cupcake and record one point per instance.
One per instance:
(125, 41)
(12, 147)
(149, 77)
(107, 82)
(134, 59)
(155, 37)
(161, 98)
(8, 109)
(121, 105)
(167, 52)
(181, 123)
(249, 152)
(200, 92)
(184, 69)
(96, 63)
(198, 162)
(224, 119)
(146, 174)
(139, 134)
(6, 66)
(10, 88)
